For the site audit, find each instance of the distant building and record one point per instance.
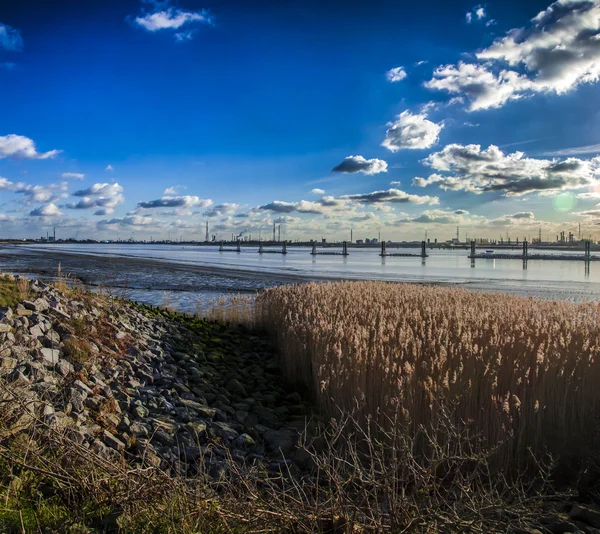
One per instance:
(359, 242)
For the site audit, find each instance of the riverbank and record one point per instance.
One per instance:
(118, 417)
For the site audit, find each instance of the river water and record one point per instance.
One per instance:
(188, 274)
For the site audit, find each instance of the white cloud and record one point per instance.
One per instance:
(109, 168)
(72, 175)
(397, 74)
(356, 164)
(10, 38)
(390, 195)
(186, 201)
(304, 206)
(222, 209)
(169, 18)
(469, 168)
(104, 197)
(35, 193)
(484, 88)
(558, 52)
(318, 191)
(47, 210)
(411, 131)
(20, 147)
(135, 220)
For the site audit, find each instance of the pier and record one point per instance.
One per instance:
(237, 249)
(526, 256)
(343, 253)
(386, 254)
(261, 250)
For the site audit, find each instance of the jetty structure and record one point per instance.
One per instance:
(526, 256)
(262, 250)
(223, 249)
(344, 252)
(386, 254)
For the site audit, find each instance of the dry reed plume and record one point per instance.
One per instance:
(507, 365)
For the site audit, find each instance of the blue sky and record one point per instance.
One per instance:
(154, 117)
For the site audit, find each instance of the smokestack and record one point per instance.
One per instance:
(206, 236)
(55, 233)
(273, 232)
(279, 234)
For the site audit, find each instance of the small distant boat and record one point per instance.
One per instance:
(489, 253)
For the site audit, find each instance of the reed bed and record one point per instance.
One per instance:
(506, 366)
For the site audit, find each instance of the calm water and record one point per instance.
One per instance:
(220, 272)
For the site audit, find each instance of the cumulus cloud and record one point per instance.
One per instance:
(20, 147)
(397, 74)
(134, 220)
(484, 88)
(318, 191)
(47, 210)
(173, 190)
(186, 201)
(411, 131)
(469, 168)
(432, 217)
(35, 193)
(10, 38)
(558, 51)
(391, 195)
(222, 209)
(109, 168)
(105, 197)
(72, 175)
(355, 164)
(304, 206)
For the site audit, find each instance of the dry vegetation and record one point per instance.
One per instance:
(522, 372)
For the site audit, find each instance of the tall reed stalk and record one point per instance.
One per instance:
(508, 365)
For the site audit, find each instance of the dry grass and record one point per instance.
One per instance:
(233, 309)
(510, 366)
(357, 484)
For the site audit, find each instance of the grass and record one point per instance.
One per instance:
(521, 372)
(13, 291)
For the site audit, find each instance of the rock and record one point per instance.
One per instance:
(50, 356)
(82, 387)
(281, 441)
(8, 363)
(112, 441)
(5, 328)
(140, 412)
(22, 311)
(244, 441)
(63, 368)
(225, 431)
(77, 400)
(36, 331)
(6, 313)
(587, 514)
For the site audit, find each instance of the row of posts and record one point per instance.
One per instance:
(423, 249)
(586, 257)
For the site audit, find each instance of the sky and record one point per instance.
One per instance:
(147, 118)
